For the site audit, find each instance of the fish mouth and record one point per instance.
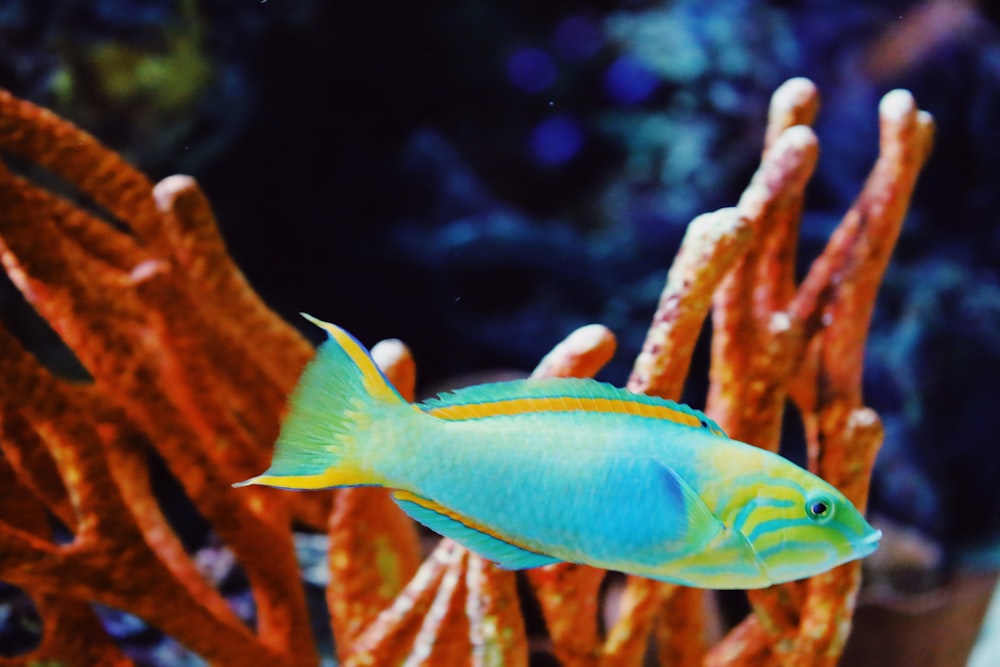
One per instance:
(868, 544)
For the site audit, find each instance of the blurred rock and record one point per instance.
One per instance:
(905, 561)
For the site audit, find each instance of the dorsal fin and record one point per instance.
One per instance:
(559, 395)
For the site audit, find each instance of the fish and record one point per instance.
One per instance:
(531, 472)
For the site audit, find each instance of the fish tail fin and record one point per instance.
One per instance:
(341, 391)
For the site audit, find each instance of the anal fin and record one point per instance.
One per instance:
(444, 521)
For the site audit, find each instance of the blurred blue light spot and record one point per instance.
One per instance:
(531, 70)
(556, 140)
(131, 13)
(628, 81)
(577, 38)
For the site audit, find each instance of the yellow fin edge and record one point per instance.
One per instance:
(374, 382)
(332, 477)
(440, 509)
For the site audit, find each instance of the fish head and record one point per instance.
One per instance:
(801, 529)
(792, 524)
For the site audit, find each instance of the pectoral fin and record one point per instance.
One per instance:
(702, 524)
(444, 521)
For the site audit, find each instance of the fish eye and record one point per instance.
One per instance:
(703, 422)
(819, 508)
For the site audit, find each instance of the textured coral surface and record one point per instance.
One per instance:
(187, 365)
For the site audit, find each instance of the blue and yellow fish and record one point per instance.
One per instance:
(532, 472)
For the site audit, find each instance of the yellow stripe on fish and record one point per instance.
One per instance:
(518, 406)
(560, 395)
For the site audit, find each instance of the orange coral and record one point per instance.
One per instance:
(171, 334)
(172, 337)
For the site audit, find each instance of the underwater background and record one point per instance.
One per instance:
(479, 178)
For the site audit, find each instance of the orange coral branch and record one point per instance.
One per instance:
(755, 343)
(496, 625)
(680, 628)
(711, 245)
(747, 377)
(67, 151)
(569, 597)
(191, 237)
(849, 435)
(167, 373)
(843, 438)
(75, 633)
(859, 250)
(582, 354)
(746, 644)
(794, 103)
(443, 637)
(108, 526)
(629, 637)
(390, 638)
